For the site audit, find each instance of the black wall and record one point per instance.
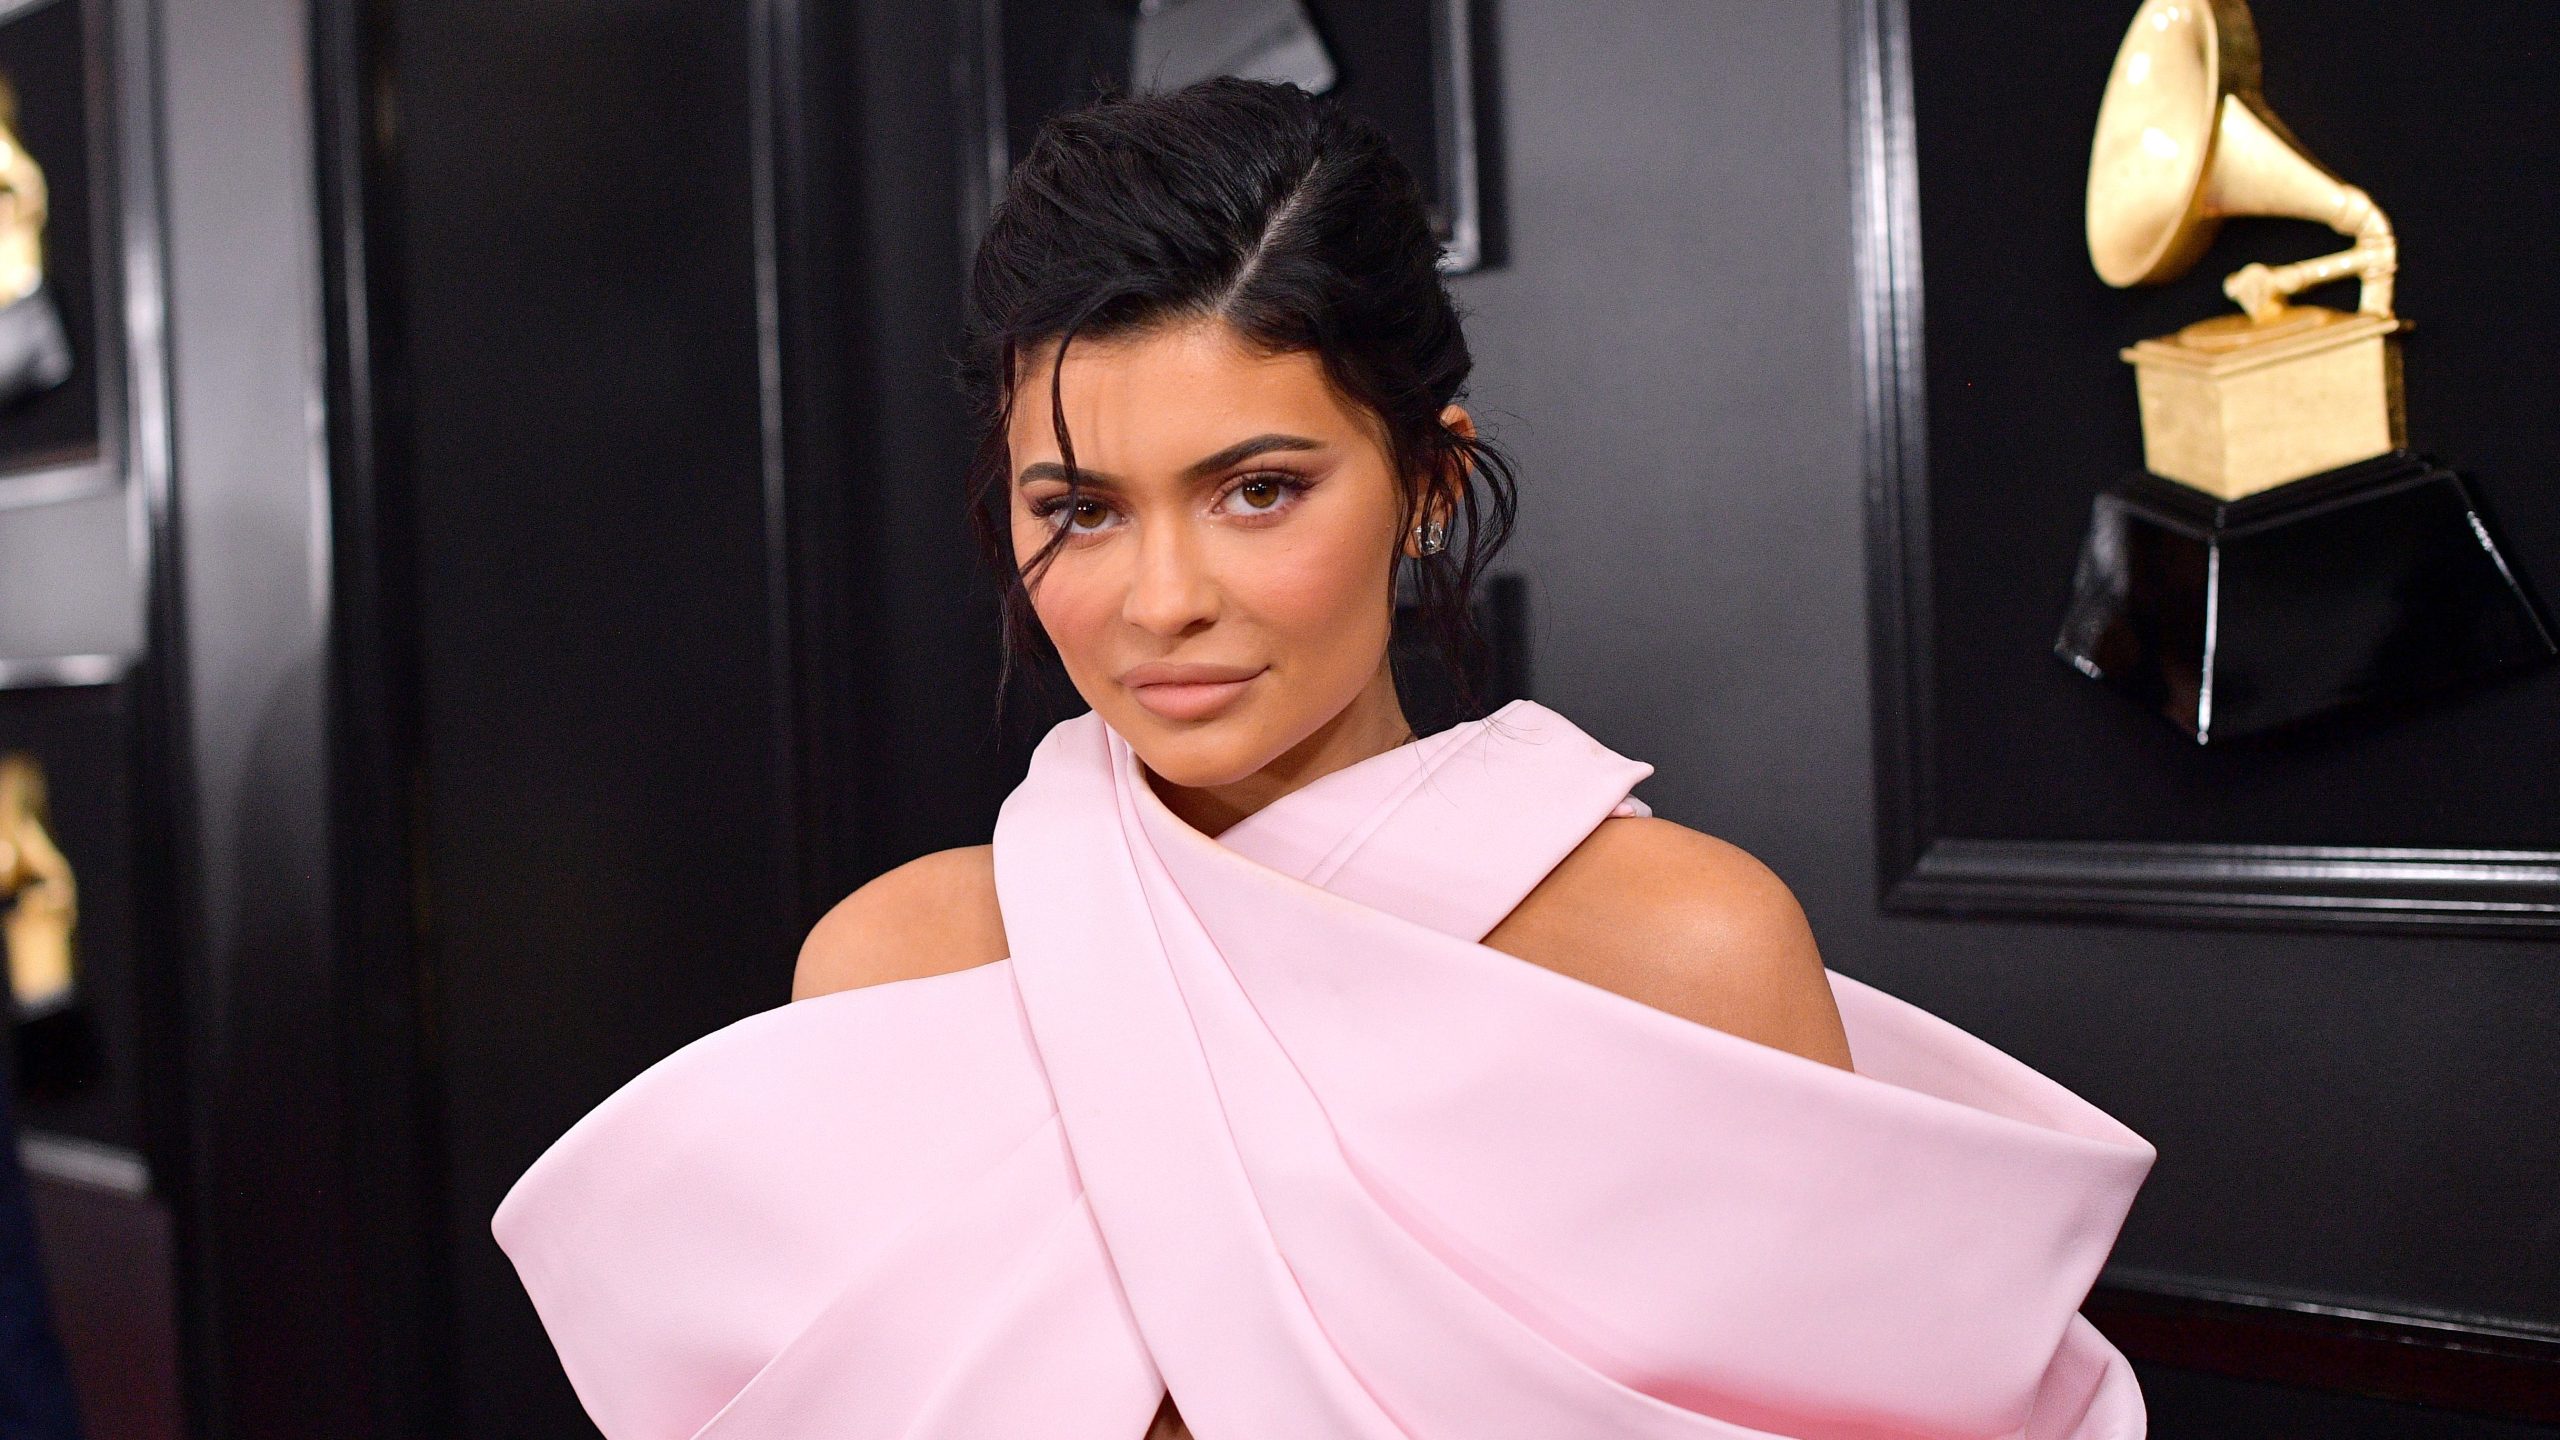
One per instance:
(661, 297)
(2356, 1120)
(2335, 1114)
(280, 1333)
(665, 297)
(602, 813)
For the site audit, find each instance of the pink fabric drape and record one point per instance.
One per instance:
(1258, 1118)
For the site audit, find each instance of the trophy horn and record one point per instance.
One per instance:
(2185, 140)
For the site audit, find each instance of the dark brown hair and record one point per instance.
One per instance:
(1285, 216)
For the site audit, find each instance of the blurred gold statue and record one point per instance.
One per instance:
(24, 205)
(35, 355)
(37, 888)
(2237, 403)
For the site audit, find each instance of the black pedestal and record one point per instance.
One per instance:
(2374, 581)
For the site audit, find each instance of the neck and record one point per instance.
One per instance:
(1372, 724)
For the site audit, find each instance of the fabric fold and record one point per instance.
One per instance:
(1258, 1117)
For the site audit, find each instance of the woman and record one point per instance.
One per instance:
(1273, 1062)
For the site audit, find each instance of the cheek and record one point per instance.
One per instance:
(1320, 589)
(1072, 601)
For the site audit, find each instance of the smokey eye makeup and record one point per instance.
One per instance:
(1251, 498)
(1265, 492)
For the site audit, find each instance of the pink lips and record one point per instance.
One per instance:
(1187, 692)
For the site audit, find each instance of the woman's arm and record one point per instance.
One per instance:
(930, 916)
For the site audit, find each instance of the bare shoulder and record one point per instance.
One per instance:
(1686, 923)
(931, 916)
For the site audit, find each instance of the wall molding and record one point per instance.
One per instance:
(2478, 1364)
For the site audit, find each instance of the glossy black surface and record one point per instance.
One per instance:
(2375, 582)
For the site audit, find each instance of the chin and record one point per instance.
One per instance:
(1197, 754)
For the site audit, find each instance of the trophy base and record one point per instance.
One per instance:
(2372, 582)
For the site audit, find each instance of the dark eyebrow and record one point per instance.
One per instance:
(1052, 470)
(1233, 455)
(1244, 450)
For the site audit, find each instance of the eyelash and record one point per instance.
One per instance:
(1291, 488)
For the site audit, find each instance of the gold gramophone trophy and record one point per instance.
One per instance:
(39, 904)
(2283, 555)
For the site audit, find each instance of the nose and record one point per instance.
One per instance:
(1171, 592)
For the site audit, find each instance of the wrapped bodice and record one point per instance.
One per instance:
(1258, 1118)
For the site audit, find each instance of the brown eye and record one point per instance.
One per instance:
(1082, 515)
(1258, 496)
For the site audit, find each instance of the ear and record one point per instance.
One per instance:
(1440, 502)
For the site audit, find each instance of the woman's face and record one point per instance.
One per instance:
(1225, 588)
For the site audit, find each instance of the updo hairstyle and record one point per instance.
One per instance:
(1289, 218)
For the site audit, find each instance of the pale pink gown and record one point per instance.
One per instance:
(1258, 1118)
